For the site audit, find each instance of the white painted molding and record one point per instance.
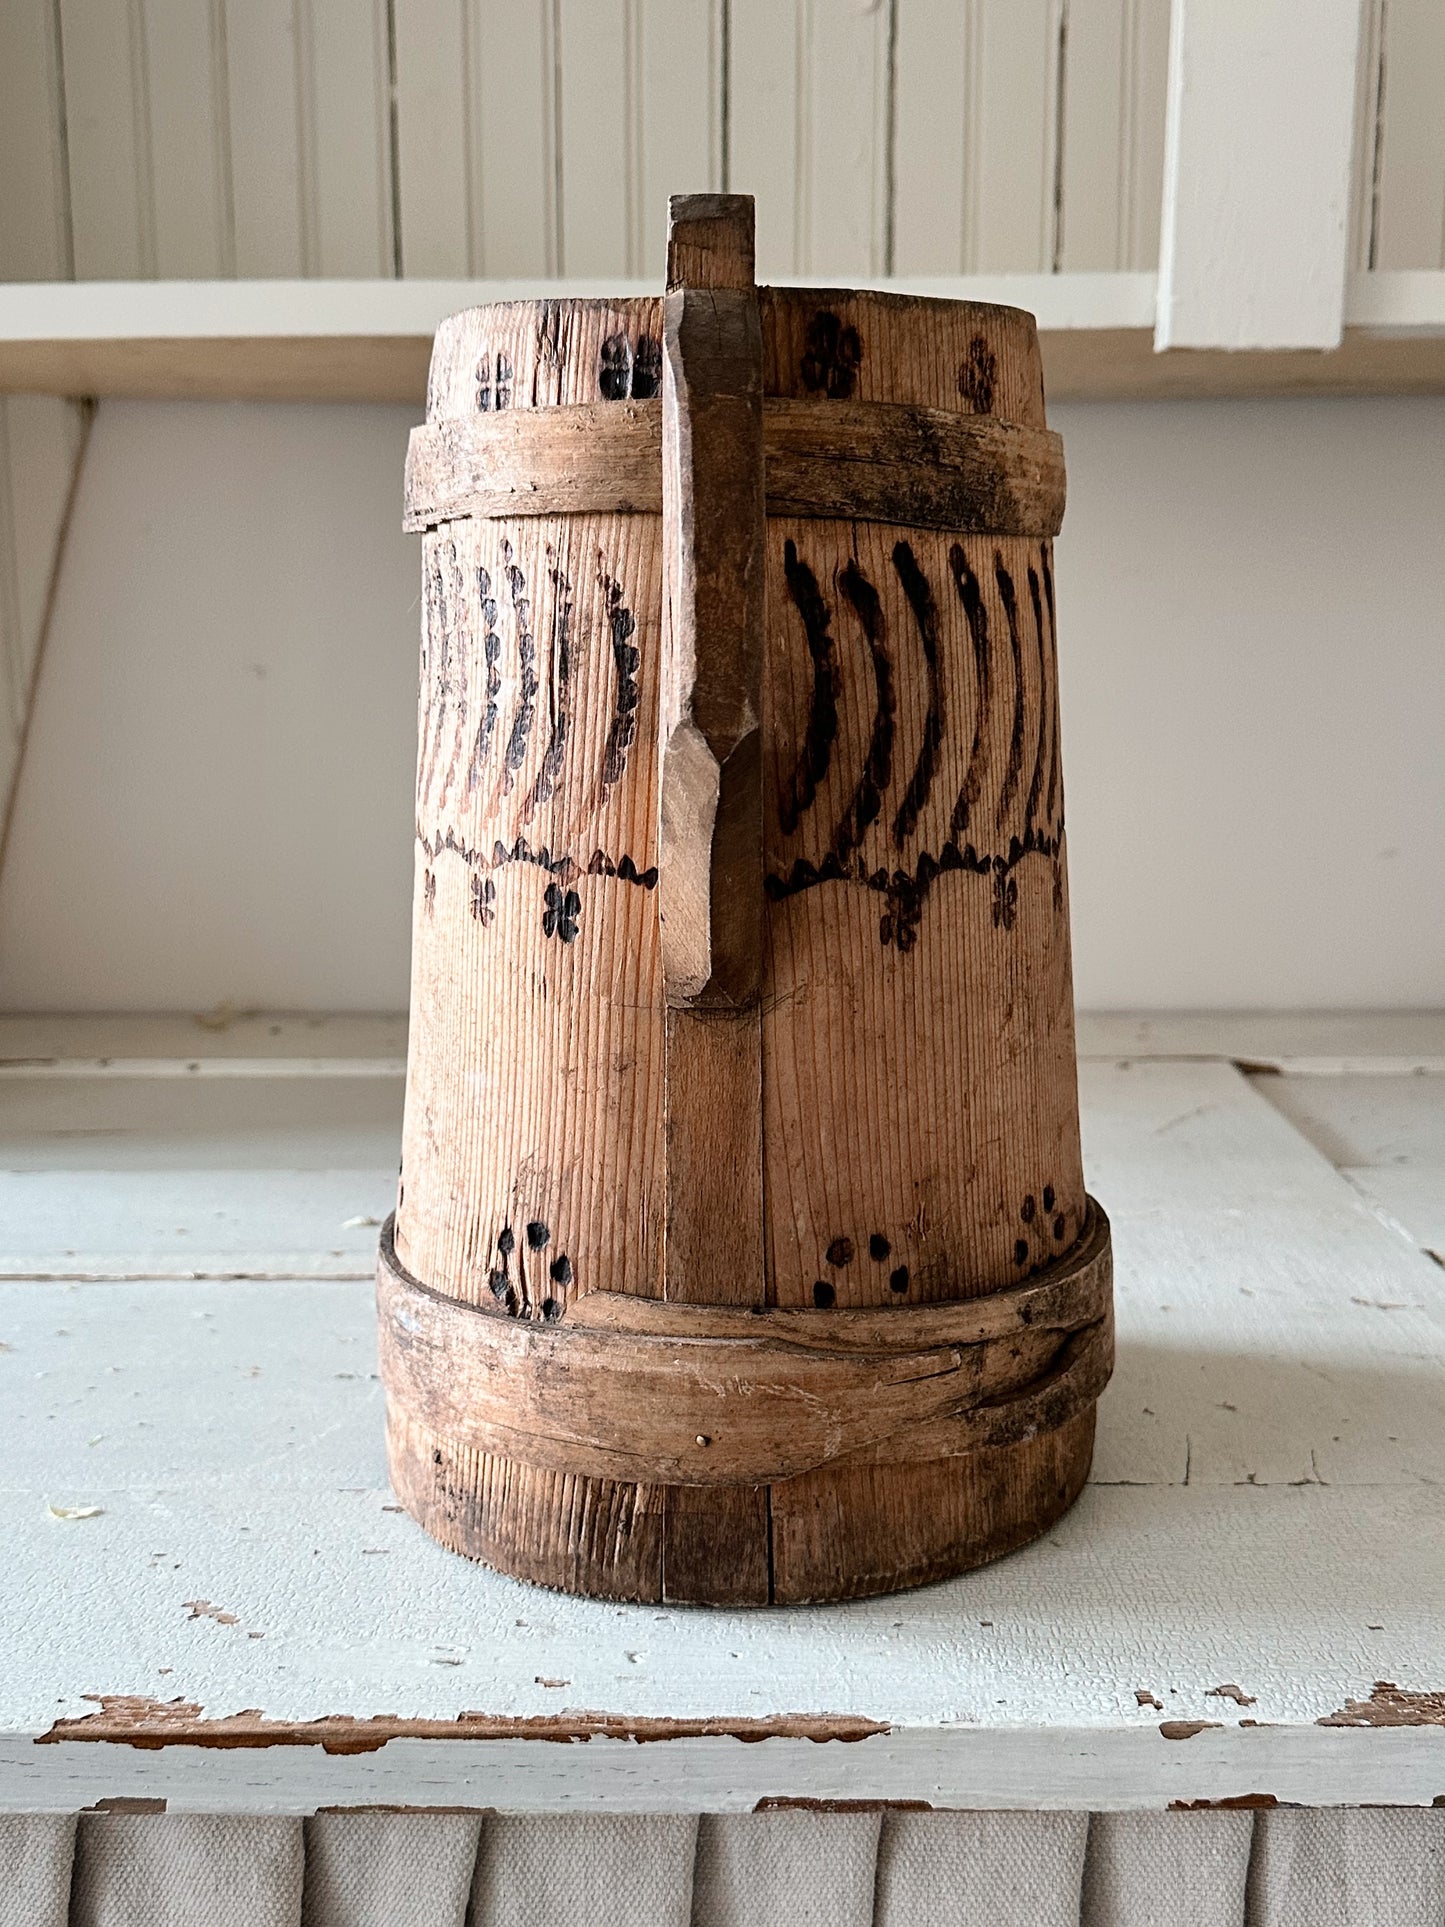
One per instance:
(1258, 149)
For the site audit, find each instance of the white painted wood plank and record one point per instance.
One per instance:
(269, 197)
(936, 77)
(434, 138)
(224, 1042)
(597, 62)
(1378, 1043)
(192, 1224)
(1112, 155)
(976, 136)
(106, 135)
(1271, 1329)
(513, 56)
(1259, 138)
(1391, 1120)
(1411, 1197)
(230, 1437)
(112, 1122)
(188, 136)
(346, 117)
(845, 164)
(34, 209)
(767, 42)
(1410, 231)
(679, 118)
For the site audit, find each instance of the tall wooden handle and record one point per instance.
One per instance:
(710, 873)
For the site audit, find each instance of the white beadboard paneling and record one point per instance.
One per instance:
(346, 117)
(1257, 187)
(188, 138)
(434, 137)
(598, 64)
(1112, 158)
(809, 112)
(107, 139)
(767, 42)
(34, 207)
(679, 124)
(1411, 205)
(265, 111)
(512, 77)
(976, 136)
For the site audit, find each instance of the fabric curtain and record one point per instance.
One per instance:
(1377, 1867)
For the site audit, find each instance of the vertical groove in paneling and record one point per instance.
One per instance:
(187, 140)
(1111, 161)
(434, 137)
(263, 79)
(1369, 131)
(107, 139)
(678, 108)
(346, 149)
(34, 206)
(1410, 219)
(513, 112)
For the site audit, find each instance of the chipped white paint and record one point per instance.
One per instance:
(1267, 1511)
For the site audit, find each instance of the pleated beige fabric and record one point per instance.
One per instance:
(1305, 1868)
(585, 1870)
(1334, 1867)
(36, 1850)
(186, 1870)
(389, 1869)
(980, 1869)
(1167, 1869)
(785, 1870)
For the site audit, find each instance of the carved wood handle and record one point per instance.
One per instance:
(710, 763)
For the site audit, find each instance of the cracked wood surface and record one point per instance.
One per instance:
(1280, 1348)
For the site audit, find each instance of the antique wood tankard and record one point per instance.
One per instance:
(741, 1251)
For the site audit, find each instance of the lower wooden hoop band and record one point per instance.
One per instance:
(703, 1396)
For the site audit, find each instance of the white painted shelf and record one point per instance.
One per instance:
(370, 339)
(245, 1621)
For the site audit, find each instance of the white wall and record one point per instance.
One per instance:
(215, 804)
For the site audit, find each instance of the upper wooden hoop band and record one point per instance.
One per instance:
(702, 1395)
(865, 461)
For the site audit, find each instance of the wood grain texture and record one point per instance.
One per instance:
(711, 901)
(864, 461)
(912, 1063)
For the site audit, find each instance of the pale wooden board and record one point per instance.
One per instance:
(346, 121)
(1112, 140)
(264, 111)
(434, 179)
(237, 1460)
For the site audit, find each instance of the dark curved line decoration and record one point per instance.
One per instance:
(867, 799)
(1016, 738)
(627, 660)
(822, 728)
(559, 685)
(1054, 800)
(491, 655)
(925, 614)
(459, 652)
(1036, 781)
(527, 671)
(976, 616)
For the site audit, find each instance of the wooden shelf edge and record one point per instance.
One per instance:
(1106, 364)
(371, 340)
